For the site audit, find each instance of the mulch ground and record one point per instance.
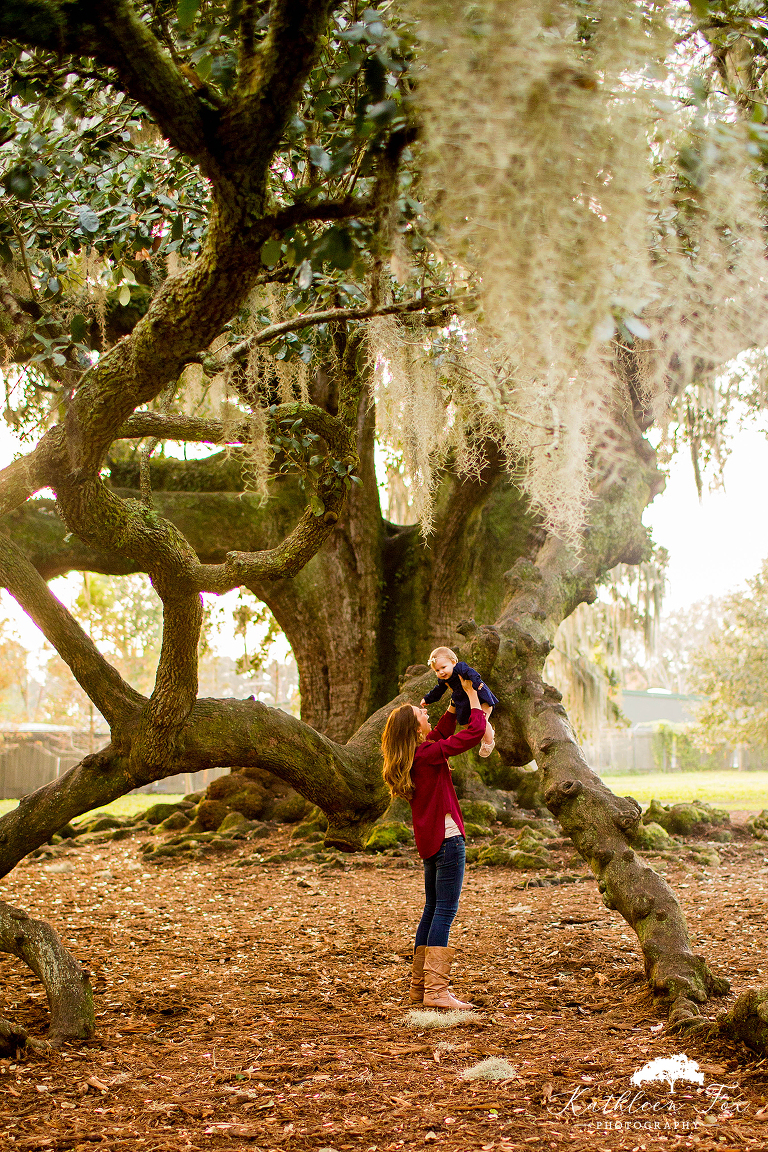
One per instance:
(262, 1006)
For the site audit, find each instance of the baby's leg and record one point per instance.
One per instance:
(489, 738)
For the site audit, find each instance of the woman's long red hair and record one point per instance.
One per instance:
(398, 744)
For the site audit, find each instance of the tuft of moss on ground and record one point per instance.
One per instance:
(493, 1068)
(422, 1018)
(474, 831)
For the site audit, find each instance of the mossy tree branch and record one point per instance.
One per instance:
(271, 79)
(66, 983)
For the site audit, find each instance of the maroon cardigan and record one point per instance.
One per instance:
(433, 788)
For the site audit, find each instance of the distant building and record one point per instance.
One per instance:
(658, 704)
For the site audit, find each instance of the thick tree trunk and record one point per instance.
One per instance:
(331, 610)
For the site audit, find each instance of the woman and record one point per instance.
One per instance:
(416, 768)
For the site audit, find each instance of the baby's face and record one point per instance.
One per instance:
(443, 667)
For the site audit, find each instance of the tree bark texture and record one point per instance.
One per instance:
(66, 983)
(747, 1021)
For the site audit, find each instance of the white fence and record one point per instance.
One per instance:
(622, 752)
(642, 751)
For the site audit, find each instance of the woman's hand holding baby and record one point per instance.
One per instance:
(471, 692)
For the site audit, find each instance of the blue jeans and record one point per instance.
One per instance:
(443, 877)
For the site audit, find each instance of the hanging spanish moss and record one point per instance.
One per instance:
(588, 660)
(595, 208)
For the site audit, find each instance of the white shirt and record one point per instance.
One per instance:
(451, 827)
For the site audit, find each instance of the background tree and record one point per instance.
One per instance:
(239, 226)
(730, 670)
(15, 681)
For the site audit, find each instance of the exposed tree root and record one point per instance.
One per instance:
(13, 1038)
(66, 983)
(747, 1021)
(348, 835)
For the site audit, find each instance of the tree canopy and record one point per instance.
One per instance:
(495, 238)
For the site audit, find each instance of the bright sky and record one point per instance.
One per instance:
(717, 543)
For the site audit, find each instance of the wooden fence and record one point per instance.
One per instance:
(25, 767)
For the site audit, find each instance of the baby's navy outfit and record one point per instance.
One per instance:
(459, 699)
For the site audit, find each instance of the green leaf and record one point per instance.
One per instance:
(342, 159)
(186, 12)
(271, 252)
(346, 72)
(78, 328)
(383, 112)
(335, 246)
(316, 505)
(124, 295)
(354, 34)
(177, 228)
(18, 183)
(88, 219)
(637, 328)
(320, 158)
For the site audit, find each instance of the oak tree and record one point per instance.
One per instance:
(495, 237)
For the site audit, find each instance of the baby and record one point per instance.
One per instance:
(448, 669)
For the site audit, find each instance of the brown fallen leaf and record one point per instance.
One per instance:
(99, 1085)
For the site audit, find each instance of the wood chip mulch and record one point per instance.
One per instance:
(244, 1005)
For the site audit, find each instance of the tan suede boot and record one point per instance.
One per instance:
(437, 970)
(417, 975)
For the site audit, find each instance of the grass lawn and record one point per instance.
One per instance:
(736, 791)
(125, 806)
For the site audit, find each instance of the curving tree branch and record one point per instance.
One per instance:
(115, 699)
(421, 303)
(193, 428)
(271, 78)
(66, 983)
(111, 31)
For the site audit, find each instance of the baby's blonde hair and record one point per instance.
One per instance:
(442, 652)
